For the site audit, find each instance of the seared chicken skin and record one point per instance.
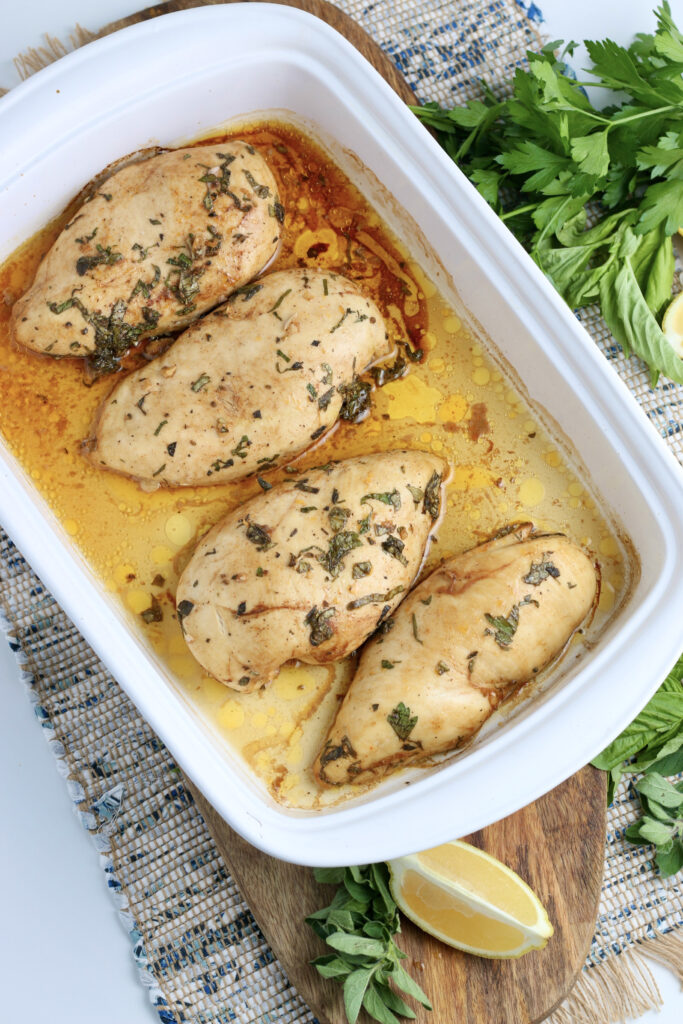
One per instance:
(161, 241)
(245, 388)
(310, 568)
(479, 627)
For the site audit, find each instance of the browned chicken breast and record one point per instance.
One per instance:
(479, 627)
(310, 568)
(162, 241)
(245, 388)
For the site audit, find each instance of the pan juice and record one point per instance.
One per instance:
(456, 401)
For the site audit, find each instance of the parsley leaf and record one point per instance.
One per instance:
(546, 159)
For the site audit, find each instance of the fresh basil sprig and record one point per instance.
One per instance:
(550, 163)
(359, 925)
(653, 745)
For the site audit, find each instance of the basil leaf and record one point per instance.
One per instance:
(632, 322)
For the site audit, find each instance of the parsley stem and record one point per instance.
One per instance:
(517, 210)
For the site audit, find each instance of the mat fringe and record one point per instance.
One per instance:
(621, 988)
(38, 57)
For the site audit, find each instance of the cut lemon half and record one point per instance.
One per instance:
(672, 324)
(469, 900)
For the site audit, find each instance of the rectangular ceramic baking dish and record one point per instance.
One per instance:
(175, 77)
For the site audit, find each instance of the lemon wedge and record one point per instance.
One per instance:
(672, 324)
(469, 900)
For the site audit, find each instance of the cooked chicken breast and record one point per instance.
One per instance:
(310, 568)
(247, 387)
(162, 241)
(479, 627)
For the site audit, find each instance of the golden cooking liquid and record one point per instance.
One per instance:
(456, 402)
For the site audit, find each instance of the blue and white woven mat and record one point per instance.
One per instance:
(199, 952)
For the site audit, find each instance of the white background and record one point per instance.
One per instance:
(64, 956)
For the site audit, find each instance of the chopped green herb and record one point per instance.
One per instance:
(162, 424)
(361, 569)
(313, 394)
(273, 309)
(540, 571)
(240, 450)
(386, 663)
(325, 399)
(339, 546)
(277, 210)
(338, 516)
(417, 494)
(401, 721)
(200, 383)
(505, 627)
(386, 497)
(318, 622)
(217, 184)
(432, 499)
(263, 484)
(415, 633)
(356, 400)
(384, 374)
(104, 256)
(159, 470)
(347, 312)
(394, 547)
(360, 602)
(262, 191)
(145, 287)
(259, 536)
(441, 668)
(219, 464)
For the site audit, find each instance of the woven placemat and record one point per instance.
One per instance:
(199, 952)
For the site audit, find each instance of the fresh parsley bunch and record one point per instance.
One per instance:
(551, 164)
(359, 926)
(655, 740)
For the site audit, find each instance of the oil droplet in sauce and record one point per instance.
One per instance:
(455, 401)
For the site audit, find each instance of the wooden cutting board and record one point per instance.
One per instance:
(556, 844)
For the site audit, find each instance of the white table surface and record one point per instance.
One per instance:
(64, 955)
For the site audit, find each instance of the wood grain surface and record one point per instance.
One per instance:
(556, 844)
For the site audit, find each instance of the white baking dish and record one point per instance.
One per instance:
(171, 79)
